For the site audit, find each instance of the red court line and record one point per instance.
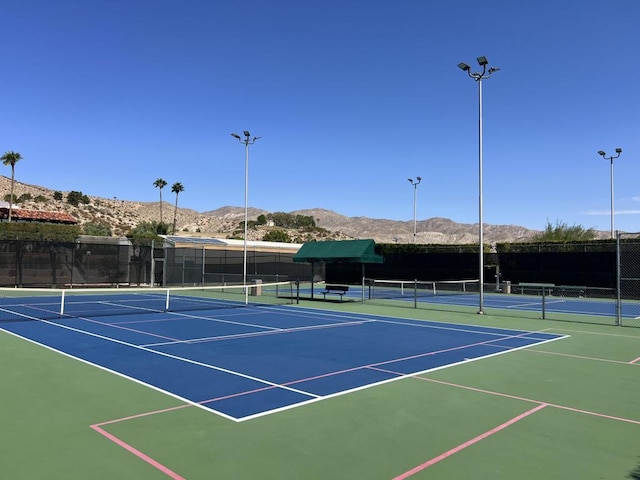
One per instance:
(632, 362)
(468, 443)
(555, 405)
(170, 473)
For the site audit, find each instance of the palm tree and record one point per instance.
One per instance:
(160, 183)
(11, 158)
(176, 188)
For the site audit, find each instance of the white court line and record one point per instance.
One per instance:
(176, 357)
(257, 334)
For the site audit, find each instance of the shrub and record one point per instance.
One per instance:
(277, 236)
(75, 198)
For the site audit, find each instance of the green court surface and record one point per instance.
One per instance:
(569, 409)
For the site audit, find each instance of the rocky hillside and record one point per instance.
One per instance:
(122, 215)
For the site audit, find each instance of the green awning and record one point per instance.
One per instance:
(346, 251)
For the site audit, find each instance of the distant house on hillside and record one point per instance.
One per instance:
(22, 215)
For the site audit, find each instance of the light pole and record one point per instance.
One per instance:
(478, 77)
(247, 140)
(604, 155)
(415, 196)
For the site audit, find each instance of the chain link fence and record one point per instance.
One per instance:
(99, 261)
(107, 262)
(95, 263)
(193, 266)
(628, 268)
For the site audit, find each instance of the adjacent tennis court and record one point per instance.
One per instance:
(535, 298)
(218, 383)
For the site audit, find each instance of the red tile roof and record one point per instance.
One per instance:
(20, 214)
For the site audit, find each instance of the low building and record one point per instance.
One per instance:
(22, 215)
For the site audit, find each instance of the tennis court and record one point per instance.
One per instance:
(191, 386)
(533, 298)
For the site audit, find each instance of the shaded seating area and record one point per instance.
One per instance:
(337, 251)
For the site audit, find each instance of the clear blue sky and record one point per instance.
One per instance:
(350, 97)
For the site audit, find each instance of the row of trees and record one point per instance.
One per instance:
(176, 188)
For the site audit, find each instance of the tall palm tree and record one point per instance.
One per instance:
(160, 183)
(176, 188)
(11, 158)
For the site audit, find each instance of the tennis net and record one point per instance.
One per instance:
(411, 289)
(19, 304)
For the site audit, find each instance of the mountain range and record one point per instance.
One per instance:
(122, 215)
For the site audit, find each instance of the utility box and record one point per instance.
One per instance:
(256, 288)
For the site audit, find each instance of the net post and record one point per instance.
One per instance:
(166, 303)
(62, 303)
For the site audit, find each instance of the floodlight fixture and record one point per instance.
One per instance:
(611, 158)
(415, 198)
(246, 133)
(482, 61)
(464, 66)
(235, 135)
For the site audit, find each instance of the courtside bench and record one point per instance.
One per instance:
(335, 289)
(572, 291)
(536, 288)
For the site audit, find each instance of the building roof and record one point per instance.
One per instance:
(230, 244)
(20, 214)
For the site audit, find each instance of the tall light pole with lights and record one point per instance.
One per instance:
(247, 140)
(479, 77)
(611, 159)
(415, 197)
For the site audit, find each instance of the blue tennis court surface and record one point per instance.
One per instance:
(248, 361)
